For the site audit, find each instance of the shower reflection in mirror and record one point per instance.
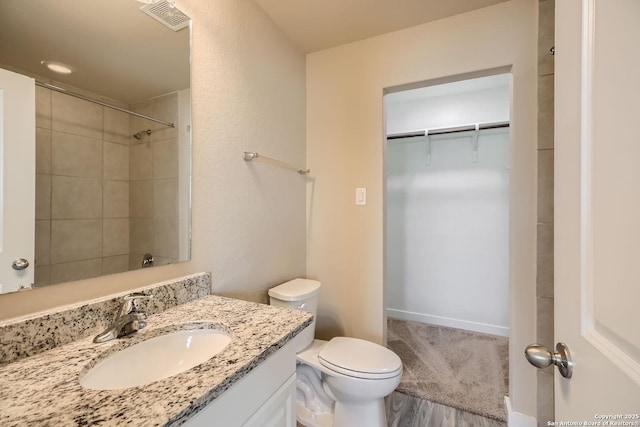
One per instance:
(113, 143)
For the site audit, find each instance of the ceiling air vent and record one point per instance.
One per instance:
(167, 14)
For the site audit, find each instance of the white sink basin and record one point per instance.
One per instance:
(155, 359)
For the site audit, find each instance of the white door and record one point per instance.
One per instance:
(597, 209)
(17, 180)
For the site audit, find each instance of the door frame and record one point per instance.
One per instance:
(521, 403)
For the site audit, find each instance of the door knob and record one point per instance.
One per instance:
(20, 264)
(541, 357)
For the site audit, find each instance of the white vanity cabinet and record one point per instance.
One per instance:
(265, 397)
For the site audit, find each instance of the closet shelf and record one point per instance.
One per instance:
(444, 131)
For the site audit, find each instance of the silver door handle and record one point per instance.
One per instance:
(541, 357)
(20, 264)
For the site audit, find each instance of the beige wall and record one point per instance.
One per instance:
(248, 219)
(345, 131)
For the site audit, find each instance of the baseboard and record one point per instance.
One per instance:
(516, 419)
(484, 328)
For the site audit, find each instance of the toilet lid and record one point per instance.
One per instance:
(359, 358)
(295, 290)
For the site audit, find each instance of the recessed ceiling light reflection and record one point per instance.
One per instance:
(57, 67)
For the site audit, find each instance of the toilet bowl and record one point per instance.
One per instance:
(341, 382)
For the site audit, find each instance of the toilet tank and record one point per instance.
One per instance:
(298, 294)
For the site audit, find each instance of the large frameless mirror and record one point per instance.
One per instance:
(112, 136)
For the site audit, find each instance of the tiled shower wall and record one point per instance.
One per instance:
(544, 276)
(100, 194)
(154, 183)
(82, 189)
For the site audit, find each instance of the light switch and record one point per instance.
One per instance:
(361, 196)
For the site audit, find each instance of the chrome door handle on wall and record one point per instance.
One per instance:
(20, 264)
(541, 357)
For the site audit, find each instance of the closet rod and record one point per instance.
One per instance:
(456, 129)
(405, 135)
(443, 131)
(104, 104)
(496, 125)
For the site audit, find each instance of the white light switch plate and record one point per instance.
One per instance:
(361, 196)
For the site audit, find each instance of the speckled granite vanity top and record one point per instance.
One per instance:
(44, 390)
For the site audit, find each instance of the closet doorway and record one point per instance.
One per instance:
(447, 173)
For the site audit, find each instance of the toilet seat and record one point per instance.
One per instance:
(360, 359)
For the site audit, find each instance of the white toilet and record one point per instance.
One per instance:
(341, 382)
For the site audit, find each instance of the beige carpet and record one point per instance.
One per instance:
(465, 370)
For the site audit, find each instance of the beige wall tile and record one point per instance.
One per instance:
(141, 161)
(116, 161)
(141, 236)
(545, 112)
(165, 158)
(75, 240)
(42, 275)
(546, 406)
(166, 237)
(165, 108)
(545, 186)
(546, 36)
(43, 243)
(135, 261)
(43, 108)
(74, 155)
(115, 240)
(115, 264)
(165, 197)
(544, 334)
(78, 270)
(43, 196)
(544, 268)
(43, 150)
(159, 260)
(116, 126)
(141, 199)
(115, 199)
(73, 197)
(75, 116)
(137, 124)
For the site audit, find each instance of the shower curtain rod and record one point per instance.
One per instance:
(443, 131)
(104, 104)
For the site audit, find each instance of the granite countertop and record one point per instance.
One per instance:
(44, 389)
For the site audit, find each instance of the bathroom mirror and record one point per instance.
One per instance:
(113, 178)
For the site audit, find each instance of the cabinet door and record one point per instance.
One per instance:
(279, 410)
(265, 397)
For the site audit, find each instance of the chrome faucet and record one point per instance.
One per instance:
(129, 319)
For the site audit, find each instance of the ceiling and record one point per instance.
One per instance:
(320, 24)
(115, 49)
(120, 53)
